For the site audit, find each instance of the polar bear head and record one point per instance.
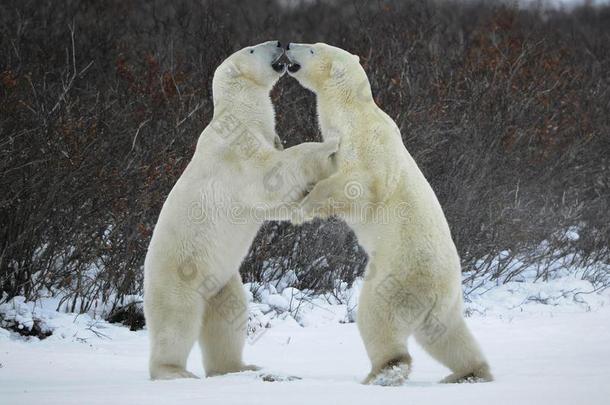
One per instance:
(327, 70)
(250, 68)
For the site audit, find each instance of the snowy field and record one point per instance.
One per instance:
(546, 343)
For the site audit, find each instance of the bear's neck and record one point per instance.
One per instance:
(254, 108)
(334, 112)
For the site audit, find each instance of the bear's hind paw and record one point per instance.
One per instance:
(391, 376)
(170, 373)
(481, 374)
(232, 369)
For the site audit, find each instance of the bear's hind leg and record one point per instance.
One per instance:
(173, 328)
(223, 333)
(385, 339)
(454, 346)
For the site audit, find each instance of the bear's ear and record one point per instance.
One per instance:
(357, 58)
(233, 69)
(337, 69)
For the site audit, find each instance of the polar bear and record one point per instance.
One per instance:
(236, 179)
(412, 283)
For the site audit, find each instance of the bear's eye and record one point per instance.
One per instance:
(251, 50)
(311, 51)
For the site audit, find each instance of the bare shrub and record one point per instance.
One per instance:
(101, 104)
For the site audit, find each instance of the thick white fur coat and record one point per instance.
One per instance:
(413, 279)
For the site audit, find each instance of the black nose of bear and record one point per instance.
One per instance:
(279, 44)
(288, 46)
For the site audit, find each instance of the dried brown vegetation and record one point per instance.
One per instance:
(101, 103)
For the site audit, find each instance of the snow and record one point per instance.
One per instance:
(547, 342)
(277, 301)
(554, 358)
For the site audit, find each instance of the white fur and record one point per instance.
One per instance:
(235, 180)
(413, 279)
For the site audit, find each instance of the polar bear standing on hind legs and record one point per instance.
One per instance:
(413, 280)
(235, 180)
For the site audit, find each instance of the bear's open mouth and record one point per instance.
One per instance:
(293, 67)
(278, 65)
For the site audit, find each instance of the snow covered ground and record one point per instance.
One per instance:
(563, 358)
(546, 343)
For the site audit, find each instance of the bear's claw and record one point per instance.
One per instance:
(392, 376)
(481, 374)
